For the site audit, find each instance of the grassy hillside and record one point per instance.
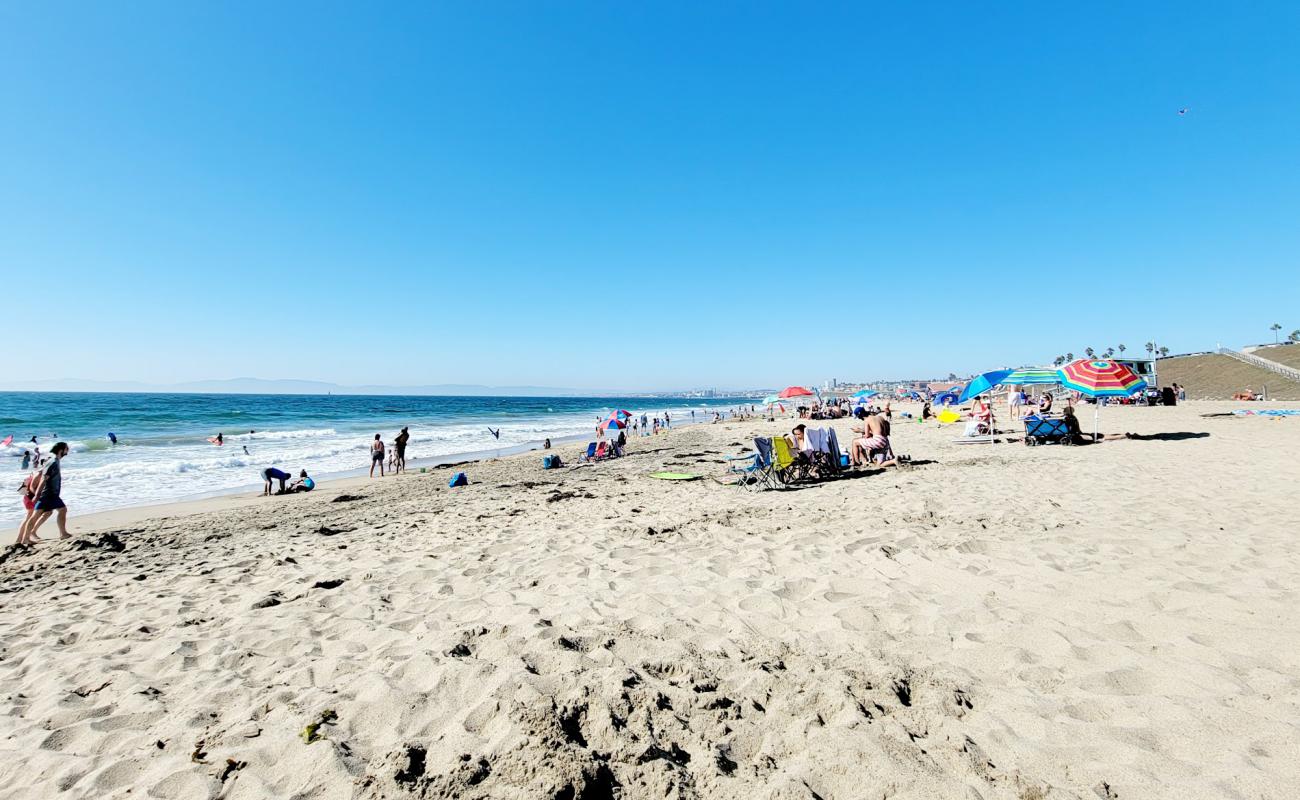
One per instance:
(1285, 354)
(1215, 377)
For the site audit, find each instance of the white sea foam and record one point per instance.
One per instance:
(161, 470)
(316, 433)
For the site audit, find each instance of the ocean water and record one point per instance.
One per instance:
(163, 455)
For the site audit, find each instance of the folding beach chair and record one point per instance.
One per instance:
(590, 454)
(785, 465)
(602, 452)
(833, 442)
(825, 463)
(753, 470)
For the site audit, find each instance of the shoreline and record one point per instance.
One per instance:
(239, 497)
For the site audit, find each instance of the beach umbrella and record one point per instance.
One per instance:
(1100, 378)
(1033, 376)
(982, 384)
(866, 393)
(794, 391)
(613, 423)
(621, 414)
(771, 400)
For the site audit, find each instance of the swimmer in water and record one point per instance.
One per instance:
(246, 451)
(220, 440)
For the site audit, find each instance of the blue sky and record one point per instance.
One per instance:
(630, 197)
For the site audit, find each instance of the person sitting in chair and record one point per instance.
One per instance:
(1045, 403)
(798, 439)
(873, 445)
(981, 419)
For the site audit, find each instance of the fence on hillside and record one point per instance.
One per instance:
(1263, 363)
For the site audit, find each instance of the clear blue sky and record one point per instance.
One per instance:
(614, 195)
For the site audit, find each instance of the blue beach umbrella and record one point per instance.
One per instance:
(865, 393)
(981, 384)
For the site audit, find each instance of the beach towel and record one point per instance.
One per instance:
(833, 444)
(1268, 412)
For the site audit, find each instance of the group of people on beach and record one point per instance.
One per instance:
(644, 425)
(396, 454)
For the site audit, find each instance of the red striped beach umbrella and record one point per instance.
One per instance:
(1100, 378)
(794, 391)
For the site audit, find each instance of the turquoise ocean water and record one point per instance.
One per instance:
(163, 454)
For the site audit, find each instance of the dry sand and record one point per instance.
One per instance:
(1117, 620)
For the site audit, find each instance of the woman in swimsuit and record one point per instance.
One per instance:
(377, 456)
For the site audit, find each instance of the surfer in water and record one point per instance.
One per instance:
(496, 434)
(112, 437)
(219, 440)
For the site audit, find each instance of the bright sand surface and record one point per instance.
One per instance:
(1116, 620)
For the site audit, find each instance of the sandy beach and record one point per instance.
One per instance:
(1114, 621)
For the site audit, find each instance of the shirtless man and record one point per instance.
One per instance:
(874, 441)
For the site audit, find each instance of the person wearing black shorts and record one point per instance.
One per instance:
(377, 456)
(46, 488)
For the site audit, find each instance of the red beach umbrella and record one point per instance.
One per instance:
(794, 391)
(1100, 377)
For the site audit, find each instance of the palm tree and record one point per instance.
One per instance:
(1110, 351)
(1275, 328)
(1151, 347)
(1069, 356)
(1164, 351)
(1295, 335)
(1122, 348)
(1089, 352)
(1058, 361)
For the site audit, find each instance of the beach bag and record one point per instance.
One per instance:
(551, 462)
(458, 479)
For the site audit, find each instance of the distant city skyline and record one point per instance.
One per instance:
(594, 195)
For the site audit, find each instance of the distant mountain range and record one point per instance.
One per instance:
(263, 386)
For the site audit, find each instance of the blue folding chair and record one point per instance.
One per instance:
(754, 470)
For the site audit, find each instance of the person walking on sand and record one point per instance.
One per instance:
(46, 488)
(29, 503)
(377, 455)
(400, 446)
